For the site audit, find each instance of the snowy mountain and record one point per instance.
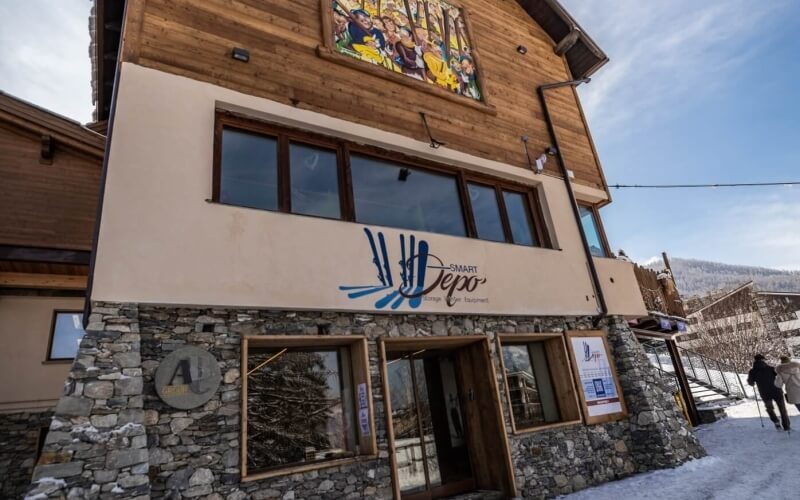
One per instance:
(699, 277)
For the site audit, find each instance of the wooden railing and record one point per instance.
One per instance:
(659, 295)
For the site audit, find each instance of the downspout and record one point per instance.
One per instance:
(598, 289)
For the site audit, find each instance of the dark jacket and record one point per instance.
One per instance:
(763, 376)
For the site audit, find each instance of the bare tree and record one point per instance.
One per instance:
(732, 331)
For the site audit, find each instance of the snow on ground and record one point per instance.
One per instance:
(744, 462)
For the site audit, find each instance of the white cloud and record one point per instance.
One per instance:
(665, 50)
(44, 54)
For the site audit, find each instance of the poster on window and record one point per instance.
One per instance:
(596, 376)
(422, 39)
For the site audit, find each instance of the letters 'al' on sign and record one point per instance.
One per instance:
(187, 378)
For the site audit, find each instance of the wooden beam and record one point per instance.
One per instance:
(49, 255)
(51, 281)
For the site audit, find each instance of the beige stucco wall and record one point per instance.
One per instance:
(25, 324)
(162, 242)
(620, 288)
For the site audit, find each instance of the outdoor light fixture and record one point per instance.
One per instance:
(550, 151)
(522, 49)
(241, 54)
(403, 174)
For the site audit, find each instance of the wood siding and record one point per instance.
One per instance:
(46, 205)
(194, 39)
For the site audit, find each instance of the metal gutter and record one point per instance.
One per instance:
(601, 300)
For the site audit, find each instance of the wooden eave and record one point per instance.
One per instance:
(583, 55)
(29, 117)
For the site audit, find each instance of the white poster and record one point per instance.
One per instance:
(596, 376)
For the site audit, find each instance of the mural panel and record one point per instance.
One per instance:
(422, 39)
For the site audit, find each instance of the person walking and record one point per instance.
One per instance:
(789, 375)
(763, 376)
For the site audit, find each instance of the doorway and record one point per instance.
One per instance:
(446, 433)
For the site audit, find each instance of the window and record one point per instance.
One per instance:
(538, 381)
(266, 167)
(590, 221)
(486, 211)
(306, 403)
(314, 181)
(65, 337)
(519, 218)
(249, 170)
(388, 194)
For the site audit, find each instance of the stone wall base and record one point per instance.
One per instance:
(19, 442)
(112, 437)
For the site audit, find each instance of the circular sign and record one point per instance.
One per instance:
(187, 378)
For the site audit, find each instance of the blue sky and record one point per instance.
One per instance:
(696, 92)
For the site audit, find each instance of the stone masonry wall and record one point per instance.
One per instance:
(195, 453)
(19, 438)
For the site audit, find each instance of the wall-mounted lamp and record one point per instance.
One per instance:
(522, 49)
(240, 54)
(403, 174)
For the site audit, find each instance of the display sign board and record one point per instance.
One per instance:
(187, 378)
(600, 392)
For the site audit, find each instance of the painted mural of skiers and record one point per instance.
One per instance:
(422, 39)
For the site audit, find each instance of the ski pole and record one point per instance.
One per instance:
(760, 418)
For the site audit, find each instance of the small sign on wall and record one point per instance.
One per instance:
(599, 389)
(187, 378)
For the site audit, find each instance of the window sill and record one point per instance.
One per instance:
(530, 430)
(307, 467)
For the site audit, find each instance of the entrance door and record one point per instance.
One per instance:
(431, 450)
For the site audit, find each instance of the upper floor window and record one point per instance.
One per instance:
(65, 337)
(590, 220)
(271, 168)
(388, 194)
(249, 170)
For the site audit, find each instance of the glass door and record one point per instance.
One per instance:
(432, 459)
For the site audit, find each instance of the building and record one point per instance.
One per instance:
(50, 169)
(328, 231)
(735, 324)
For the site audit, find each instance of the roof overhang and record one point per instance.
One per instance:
(583, 55)
(105, 28)
(42, 122)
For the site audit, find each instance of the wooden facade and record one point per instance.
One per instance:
(47, 202)
(290, 63)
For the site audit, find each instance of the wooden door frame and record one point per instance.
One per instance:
(449, 343)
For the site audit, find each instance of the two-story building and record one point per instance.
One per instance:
(352, 249)
(50, 177)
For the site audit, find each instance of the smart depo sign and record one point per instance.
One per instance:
(410, 273)
(187, 378)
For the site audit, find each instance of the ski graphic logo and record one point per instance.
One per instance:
(415, 267)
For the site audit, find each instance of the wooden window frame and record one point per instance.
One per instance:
(598, 223)
(366, 446)
(564, 387)
(48, 358)
(345, 149)
(327, 51)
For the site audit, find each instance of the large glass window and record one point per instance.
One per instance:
(486, 212)
(519, 218)
(529, 385)
(389, 194)
(249, 170)
(591, 229)
(66, 335)
(538, 381)
(299, 407)
(314, 181)
(264, 166)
